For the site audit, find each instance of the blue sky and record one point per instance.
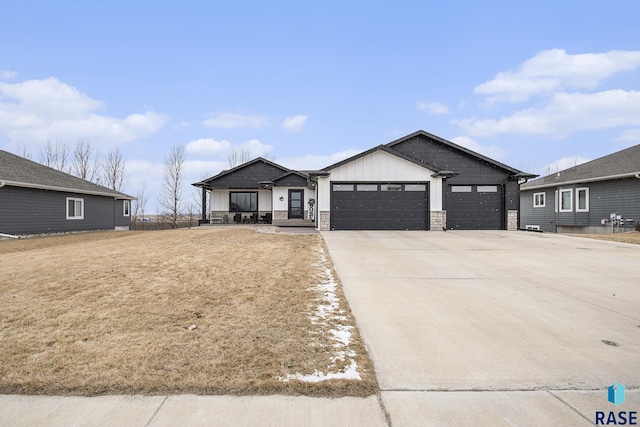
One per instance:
(534, 84)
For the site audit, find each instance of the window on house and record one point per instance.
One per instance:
(566, 201)
(243, 201)
(538, 200)
(75, 208)
(556, 201)
(582, 200)
(126, 206)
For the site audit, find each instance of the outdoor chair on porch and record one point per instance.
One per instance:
(266, 218)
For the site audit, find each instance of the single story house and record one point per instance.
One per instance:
(600, 196)
(418, 182)
(37, 199)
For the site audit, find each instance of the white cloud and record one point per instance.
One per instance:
(257, 148)
(181, 124)
(34, 111)
(564, 114)
(294, 124)
(629, 136)
(433, 108)
(207, 146)
(315, 162)
(233, 121)
(6, 74)
(491, 151)
(554, 70)
(563, 163)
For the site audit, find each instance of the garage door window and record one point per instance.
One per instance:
(391, 187)
(367, 187)
(415, 187)
(342, 187)
(461, 189)
(487, 188)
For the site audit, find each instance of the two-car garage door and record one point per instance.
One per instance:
(379, 206)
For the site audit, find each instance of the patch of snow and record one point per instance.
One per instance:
(328, 315)
(350, 373)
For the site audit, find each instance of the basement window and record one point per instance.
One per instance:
(75, 208)
(538, 200)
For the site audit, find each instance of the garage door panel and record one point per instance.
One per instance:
(378, 210)
(475, 210)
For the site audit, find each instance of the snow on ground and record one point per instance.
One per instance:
(330, 318)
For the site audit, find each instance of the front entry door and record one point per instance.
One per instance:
(296, 207)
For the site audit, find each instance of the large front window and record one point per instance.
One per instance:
(243, 201)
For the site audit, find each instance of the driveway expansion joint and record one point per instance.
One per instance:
(155, 413)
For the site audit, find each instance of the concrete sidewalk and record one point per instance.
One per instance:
(189, 410)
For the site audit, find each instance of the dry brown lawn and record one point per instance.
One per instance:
(205, 311)
(628, 237)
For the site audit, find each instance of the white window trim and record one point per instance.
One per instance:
(75, 199)
(126, 208)
(567, 190)
(556, 202)
(586, 190)
(544, 200)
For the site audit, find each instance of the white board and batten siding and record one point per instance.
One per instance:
(381, 166)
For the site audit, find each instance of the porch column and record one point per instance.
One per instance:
(204, 205)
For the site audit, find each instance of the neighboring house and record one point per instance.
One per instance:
(418, 182)
(37, 199)
(599, 196)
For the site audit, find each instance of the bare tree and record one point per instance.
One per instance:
(55, 156)
(171, 191)
(114, 168)
(23, 152)
(138, 207)
(84, 165)
(238, 156)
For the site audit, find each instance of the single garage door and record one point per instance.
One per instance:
(379, 206)
(475, 207)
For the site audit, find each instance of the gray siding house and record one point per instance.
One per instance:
(600, 196)
(37, 199)
(418, 182)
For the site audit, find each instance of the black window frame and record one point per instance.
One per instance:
(239, 209)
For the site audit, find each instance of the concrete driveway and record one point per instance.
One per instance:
(490, 327)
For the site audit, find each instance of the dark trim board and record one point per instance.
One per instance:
(367, 206)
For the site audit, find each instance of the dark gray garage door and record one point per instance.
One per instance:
(379, 206)
(475, 207)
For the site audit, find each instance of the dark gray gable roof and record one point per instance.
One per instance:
(386, 149)
(291, 172)
(17, 171)
(239, 167)
(621, 164)
(443, 141)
